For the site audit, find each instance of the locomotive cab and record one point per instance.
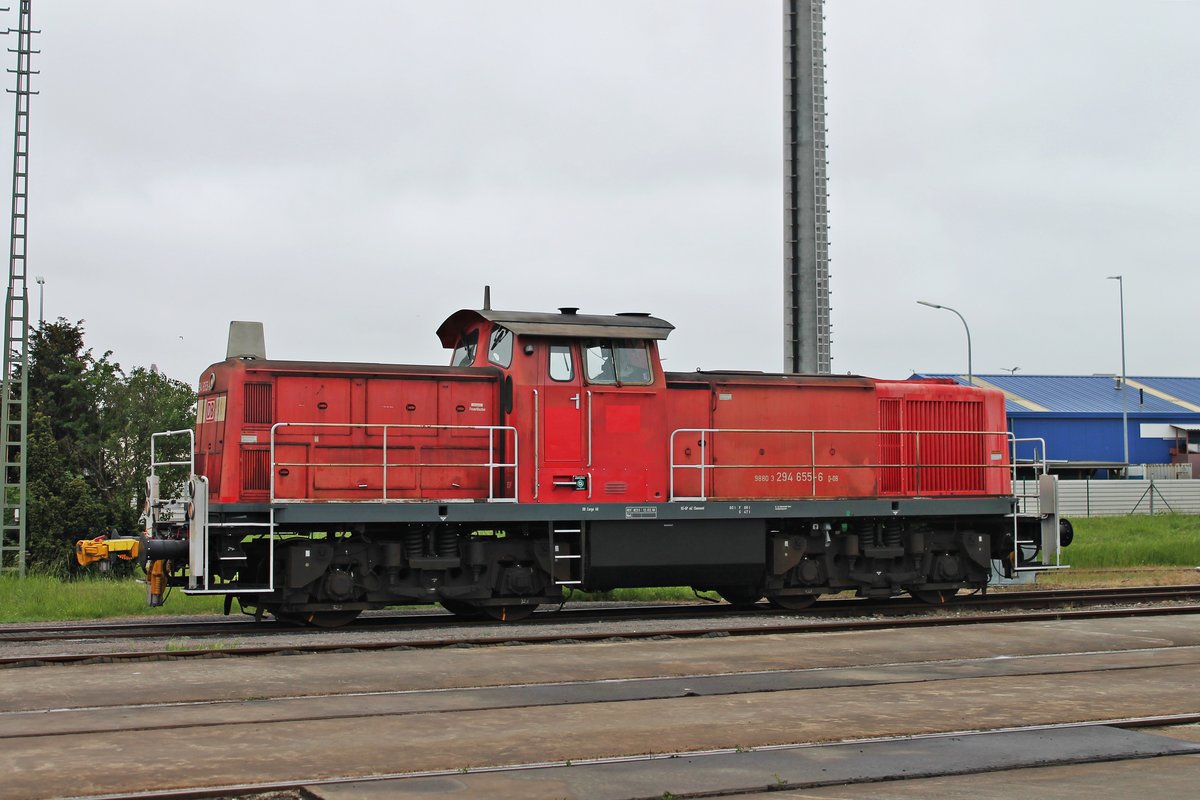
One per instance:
(594, 390)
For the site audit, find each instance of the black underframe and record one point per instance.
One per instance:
(288, 515)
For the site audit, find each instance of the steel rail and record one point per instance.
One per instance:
(234, 790)
(663, 687)
(517, 634)
(415, 621)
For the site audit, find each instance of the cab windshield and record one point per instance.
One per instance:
(464, 353)
(500, 347)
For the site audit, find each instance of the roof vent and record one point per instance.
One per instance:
(570, 311)
(633, 313)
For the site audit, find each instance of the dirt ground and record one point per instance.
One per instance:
(1124, 576)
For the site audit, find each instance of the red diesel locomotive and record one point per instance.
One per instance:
(555, 452)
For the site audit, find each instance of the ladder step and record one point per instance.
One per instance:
(567, 546)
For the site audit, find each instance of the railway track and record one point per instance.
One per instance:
(682, 718)
(694, 625)
(583, 613)
(696, 761)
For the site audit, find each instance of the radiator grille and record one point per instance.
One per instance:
(943, 457)
(929, 457)
(890, 473)
(256, 470)
(258, 404)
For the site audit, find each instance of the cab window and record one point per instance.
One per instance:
(562, 364)
(633, 363)
(598, 363)
(500, 347)
(618, 361)
(464, 353)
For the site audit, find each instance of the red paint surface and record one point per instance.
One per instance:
(779, 437)
(622, 419)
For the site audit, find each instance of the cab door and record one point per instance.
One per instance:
(562, 421)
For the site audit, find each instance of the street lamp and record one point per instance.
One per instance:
(1124, 405)
(970, 374)
(1010, 370)
(41, 282)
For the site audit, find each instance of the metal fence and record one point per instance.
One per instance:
(1114, 498)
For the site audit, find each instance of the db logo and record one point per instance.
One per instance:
(210, 409)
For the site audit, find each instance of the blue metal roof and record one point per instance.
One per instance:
(1186, 389)
(1090, 394)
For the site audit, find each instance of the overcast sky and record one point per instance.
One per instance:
(352, 173)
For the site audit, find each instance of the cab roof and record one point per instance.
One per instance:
(567, 323)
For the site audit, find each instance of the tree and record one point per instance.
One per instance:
(89, 440)
(63, 376)
(144, 402)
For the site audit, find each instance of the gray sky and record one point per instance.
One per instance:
(352, 173)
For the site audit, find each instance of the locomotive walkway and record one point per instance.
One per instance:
(726, 704)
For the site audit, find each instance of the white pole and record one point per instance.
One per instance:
(1124, 403)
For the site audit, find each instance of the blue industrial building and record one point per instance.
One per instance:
(1079, 416)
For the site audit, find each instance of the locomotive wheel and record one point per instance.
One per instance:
(792, 602)
(739, 596)
(934, 597)
(514, 613)
(317, 619)
(461, 608)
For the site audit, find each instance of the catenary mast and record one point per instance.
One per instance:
(806, 326)
(14, 406)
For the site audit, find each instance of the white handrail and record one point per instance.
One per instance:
(491, 465)
(707, 434)
(190, 463)
(537, 471)
(1040, 466)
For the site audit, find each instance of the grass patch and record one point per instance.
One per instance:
(39, 598)
(186, 645)
(666, 594)
(1164, 540)
(1114, 578)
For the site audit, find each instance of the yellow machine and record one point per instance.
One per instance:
(105, 551)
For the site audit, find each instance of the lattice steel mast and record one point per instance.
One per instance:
(14, 408)
(806, 326)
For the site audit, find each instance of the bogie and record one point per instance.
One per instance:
(326, 580)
